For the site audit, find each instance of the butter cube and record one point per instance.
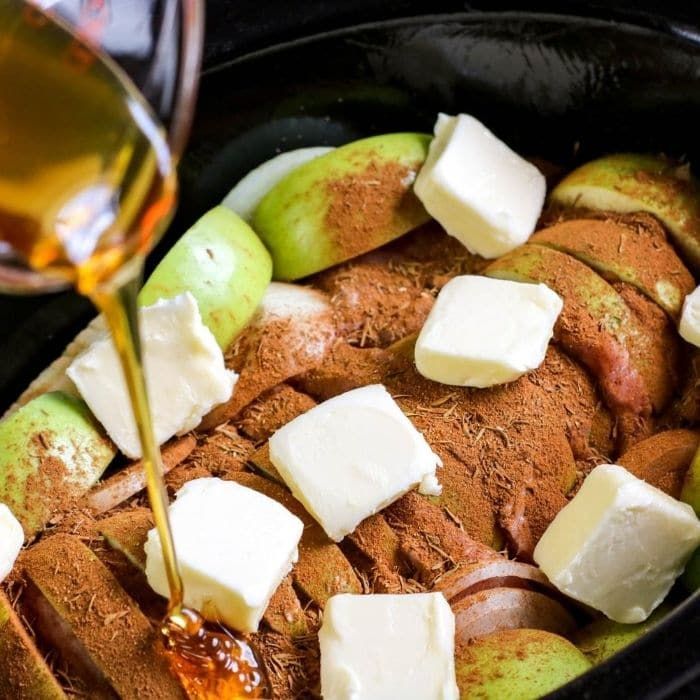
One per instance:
(383, 647)
(184, 368)
(619, 545)
(481, 331)
(478, 189)
(11, 539)
(689, 327)
(234, 546)
(351, 456)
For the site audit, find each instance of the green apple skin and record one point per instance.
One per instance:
(520, 664)
(57, 426)
(223, 264)
(310, 220)
(629, 182)
(603, 638)
(34, 679)
(666, 284)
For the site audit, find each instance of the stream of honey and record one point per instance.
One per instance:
(87, 186)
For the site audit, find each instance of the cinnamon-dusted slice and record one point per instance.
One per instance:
(597, 327)
(291, 334)
(346, 367)
(222, 451)
(82, 608)
(260, 461)
(24, 674)
(322, 570)
(273, 409)
(663, 459)
(632, 249)
(375, 549)
(498, 609)
(376, 303)
(431, 541)
(284, 613)
(126, 532)
(495, 573)
(132, 479)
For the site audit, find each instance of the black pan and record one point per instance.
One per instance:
(559, 87)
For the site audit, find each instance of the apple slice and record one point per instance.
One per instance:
(631, 249)
(84, 613)
(223, 264)
(126, 532)
(23, 671)
(663, 459)
(519, 663)
(342, 204)
(244, 198)
(51, 452)
(690, 494)
(496, 609)
(291, 333)
(598, 328)
(498, 572)
(602, 638)
(630, 182)
(219, 260)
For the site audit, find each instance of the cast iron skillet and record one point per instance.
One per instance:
(563, 88)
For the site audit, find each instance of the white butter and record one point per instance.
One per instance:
(384, 647)
(689, 327)
(478, 189)
(351, 456)
(11, 539)
(234, 546)
(184, 369)
(249, 191)
(619, 545)
(481, 331)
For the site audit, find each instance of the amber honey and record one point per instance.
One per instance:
(87, 185)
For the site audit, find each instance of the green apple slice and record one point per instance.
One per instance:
(219, 260)
(614, 249)
(597, 327)
(629, 182)
(603, 638)
(23, 671)
(342, 204)
(249, 191)
(520, 664)
(223, 264)
(51, 452)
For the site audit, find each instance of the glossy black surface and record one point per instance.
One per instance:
(563, 88)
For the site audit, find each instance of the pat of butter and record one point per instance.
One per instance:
(478, 189)
(381, 647)
(481, 331)
(689, 326)
(234, 546)
(619, 545)
(351, 456)
(184, 368)
(11, 539)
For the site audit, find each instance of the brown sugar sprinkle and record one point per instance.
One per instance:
(272, 410)
(367, 206)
